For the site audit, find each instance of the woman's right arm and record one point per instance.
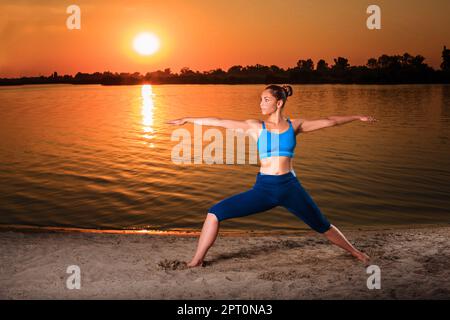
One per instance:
(218, 122)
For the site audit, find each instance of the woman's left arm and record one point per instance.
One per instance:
(304, 125)
(344, 119)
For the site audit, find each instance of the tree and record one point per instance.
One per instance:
(372, 63)
(306, 65)
(417, 61)
(322, 66)
(389, 62)
(274, 68)
(341, 63)
(235, 69)
(406, 59)
(445, 65)
(218, 71)
(186, 70)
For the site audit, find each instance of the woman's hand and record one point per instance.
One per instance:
(367, 118)
(178, 122)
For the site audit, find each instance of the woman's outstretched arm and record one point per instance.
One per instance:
(218, 122)
(304, 125)
(344, 119)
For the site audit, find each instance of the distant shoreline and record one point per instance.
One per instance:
(156, 84)
(386, 69)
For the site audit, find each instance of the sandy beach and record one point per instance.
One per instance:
(414, 264)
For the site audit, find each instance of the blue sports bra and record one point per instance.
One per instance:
(276, 144)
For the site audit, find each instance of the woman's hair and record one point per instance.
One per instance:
(280, 92)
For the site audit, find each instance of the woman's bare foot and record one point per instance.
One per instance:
(193, 264)
(361, 256)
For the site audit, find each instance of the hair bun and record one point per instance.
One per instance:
(288, 90)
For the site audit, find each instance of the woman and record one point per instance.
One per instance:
(276, 182)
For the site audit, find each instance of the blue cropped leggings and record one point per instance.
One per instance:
(270, 191)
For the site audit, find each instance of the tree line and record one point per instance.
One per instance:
(386, 69)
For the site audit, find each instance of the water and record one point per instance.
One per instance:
(99, 157)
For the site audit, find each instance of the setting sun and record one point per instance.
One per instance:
(146, 43)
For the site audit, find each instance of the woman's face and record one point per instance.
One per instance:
(269, 103)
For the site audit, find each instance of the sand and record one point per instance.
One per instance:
(414, 264)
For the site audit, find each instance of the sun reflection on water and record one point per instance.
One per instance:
(147, 113)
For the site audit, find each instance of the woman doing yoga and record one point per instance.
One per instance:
(276, 183)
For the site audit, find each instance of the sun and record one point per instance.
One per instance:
(146, 43)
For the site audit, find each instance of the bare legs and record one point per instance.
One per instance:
(336, 237)
(207, 238)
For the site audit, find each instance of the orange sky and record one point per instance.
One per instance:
(209, 34)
